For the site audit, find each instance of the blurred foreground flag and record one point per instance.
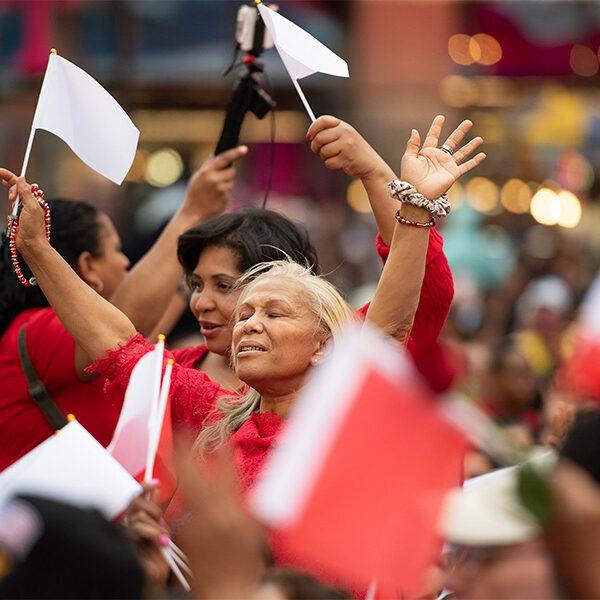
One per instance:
(72, 467)
(141, 431)
(76, 108)
(354, 489)
(580, 375)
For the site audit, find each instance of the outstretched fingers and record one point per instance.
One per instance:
(456, 137)
(467, 149)
(413, 143)
(433, 135)
(472, 163)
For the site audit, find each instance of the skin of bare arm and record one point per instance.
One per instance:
(342, 147)
(397, 295)
(146, 291)
(94, 323)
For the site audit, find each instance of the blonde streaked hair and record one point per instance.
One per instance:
(331, 312)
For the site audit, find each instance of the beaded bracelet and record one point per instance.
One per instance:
(404, 221)
(405, 192)
(13, 224)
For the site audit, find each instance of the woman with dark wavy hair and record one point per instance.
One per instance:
(89, 243)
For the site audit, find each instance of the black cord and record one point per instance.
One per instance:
(236, 51)
(272, 145)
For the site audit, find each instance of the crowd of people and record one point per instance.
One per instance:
(268, 318)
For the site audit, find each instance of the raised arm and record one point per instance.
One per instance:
(146, 291)
(93, 322)
(431, 171)
(342, 147)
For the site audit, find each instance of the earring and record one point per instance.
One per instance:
(314, 360)
(98, 286)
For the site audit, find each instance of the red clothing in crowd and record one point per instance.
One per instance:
(193, 394)
(51, 350)
(23, 426)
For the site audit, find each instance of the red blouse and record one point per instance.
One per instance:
(51, 350)
(193, 394)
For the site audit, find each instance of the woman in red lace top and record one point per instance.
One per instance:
(277, 333)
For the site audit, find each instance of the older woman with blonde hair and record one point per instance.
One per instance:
(285, 320)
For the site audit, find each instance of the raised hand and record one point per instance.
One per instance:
(224, 544)
(31, 229)
(342, 147)
(209, 188)
(433, 170)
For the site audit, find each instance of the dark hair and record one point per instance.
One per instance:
(74, 229)
(296, 585)
(256, 235)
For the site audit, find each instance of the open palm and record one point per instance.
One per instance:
(433, 171)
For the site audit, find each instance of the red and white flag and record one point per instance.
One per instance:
(354, 489)
(143, 431)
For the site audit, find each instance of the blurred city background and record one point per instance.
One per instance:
(520, 241)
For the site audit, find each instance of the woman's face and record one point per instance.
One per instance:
(274, 336)
(213, 300)
(111, 264)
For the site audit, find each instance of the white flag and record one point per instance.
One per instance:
(300, 52)
(76, 108)
(72, 467)
(132, 435)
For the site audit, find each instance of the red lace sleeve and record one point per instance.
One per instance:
(192, 393)
(436, 293)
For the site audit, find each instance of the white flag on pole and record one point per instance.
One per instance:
(72, 467)
(301, 53)
(133, 433)
(76, 108)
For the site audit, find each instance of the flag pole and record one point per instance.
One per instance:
(156, 429)
(29, 144)
(160, 348)
(304, 100)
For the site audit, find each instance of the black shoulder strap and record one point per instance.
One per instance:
(37, 390)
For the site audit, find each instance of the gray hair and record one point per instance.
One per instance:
(331, 312)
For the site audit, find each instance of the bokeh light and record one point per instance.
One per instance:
(546, 206)
(137, 173)
(570, 213)
(164, 167)
(459, 91)
(490, 51)
(357, 197)
(575, 171)
(456, 195)
(516, 196)
(583, 61)
(482, 194)
(460, 49)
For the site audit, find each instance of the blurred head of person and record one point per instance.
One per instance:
(496, 547)
(511, 384)
(545, 303)
(86, 238)
(216, 253)
(287, 584)
(54, 550)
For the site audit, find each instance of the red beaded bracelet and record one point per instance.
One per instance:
(14, 224)
(404, 221)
